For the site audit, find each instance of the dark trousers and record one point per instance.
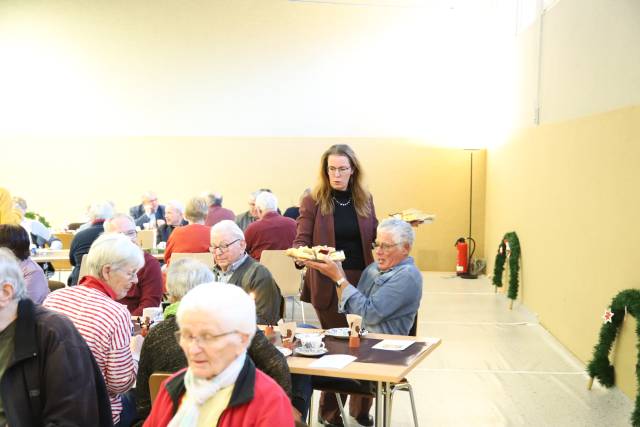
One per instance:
(330, 318)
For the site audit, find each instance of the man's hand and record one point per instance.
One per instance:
(327, 267)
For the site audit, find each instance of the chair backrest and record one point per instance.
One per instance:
(286, 275)
(146, 239)
(204, 257)
(65, 239)
(154, 383)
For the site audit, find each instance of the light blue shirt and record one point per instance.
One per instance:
(387, 300)
(224, 276)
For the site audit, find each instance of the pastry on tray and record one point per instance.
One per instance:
(411, 215)
(316, 253)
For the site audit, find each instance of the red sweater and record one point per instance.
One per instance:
(217, 214)
(273, 231)
(256, 401)
(192, 238)
(148, 291)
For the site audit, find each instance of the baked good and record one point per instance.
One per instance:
(316, 253)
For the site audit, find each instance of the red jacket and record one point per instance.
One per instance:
(192, 238)
(273, 231)
(317, 229)
(256, 401)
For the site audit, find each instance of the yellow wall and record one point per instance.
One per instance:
(568, 190)
(400, 174)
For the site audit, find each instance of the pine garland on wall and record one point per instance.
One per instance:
(510, 245)
(627, 301)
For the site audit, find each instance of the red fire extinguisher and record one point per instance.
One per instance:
(464, 257)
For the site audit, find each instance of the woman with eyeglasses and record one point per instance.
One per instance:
(161, 351)
(339, 213)
(221, 386)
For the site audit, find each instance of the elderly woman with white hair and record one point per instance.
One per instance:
(162, 353)
(113, 263)
(221, 386)
(98, 214)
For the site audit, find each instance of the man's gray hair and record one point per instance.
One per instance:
(267, 201)
(114, 249)
(213, 199)
(231, 306)
(11, 273)
(101, 210)
(176, 205)
(227, 226)
(148, 195)
(185, 274)
(401, 231)
(109, 225)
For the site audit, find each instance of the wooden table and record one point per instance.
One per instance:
(383, 374)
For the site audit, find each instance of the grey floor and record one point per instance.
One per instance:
(495, 367)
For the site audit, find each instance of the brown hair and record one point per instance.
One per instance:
(196, 209)
(322, 191)
(16, 238)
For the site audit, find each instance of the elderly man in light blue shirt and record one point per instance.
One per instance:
(389, 291)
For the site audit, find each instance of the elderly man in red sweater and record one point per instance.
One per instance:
(148, 291)
(272, 230)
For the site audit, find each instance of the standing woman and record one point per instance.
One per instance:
(339, 213)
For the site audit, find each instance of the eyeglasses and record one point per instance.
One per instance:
(203, 340)
(384, 246)
(341, 170)
(224, 247)
(130, 233)
(131, 275)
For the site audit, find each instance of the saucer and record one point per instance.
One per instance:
(342, 333)
(284, 350)
(302, 351)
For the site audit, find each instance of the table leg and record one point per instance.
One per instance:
(387, 404)
(380, 422)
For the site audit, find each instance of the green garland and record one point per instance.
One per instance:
(38, 217)
(600, 367)
(514, 264)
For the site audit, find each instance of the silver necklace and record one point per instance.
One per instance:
(347, 203)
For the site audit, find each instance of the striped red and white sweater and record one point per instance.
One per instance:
(106, 327)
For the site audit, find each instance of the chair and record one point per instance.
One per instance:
(146, 239)
(204, 257)
(154, 383)
(54, 285)
(286, 275)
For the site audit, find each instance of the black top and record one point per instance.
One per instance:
(80, 245)
(293, 212)
(347, 231)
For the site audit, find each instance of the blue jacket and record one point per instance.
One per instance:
(388, 301)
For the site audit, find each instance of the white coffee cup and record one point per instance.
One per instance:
(312, 342)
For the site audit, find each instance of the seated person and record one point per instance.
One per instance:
(98, 214)
(389, 290)
(216, 212)
(65, 386)
(221, 386)
(149, 213)
(272, 230)
(234, 265)
(388, 293)
(174, 216)
(293, 212)
(191, 238)
(113, 263)
(8, 212)
(161, 352)
(147, 292)
(39, 234)
(15, 238)
(244, 219)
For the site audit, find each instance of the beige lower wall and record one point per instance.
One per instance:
(71, 173)
(570, 191)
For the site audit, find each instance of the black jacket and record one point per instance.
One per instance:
(80, 245)
(52, 378)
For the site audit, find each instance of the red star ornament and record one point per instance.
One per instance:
(608, 314)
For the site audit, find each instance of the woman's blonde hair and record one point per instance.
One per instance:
(196, 209)
(322, 191)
